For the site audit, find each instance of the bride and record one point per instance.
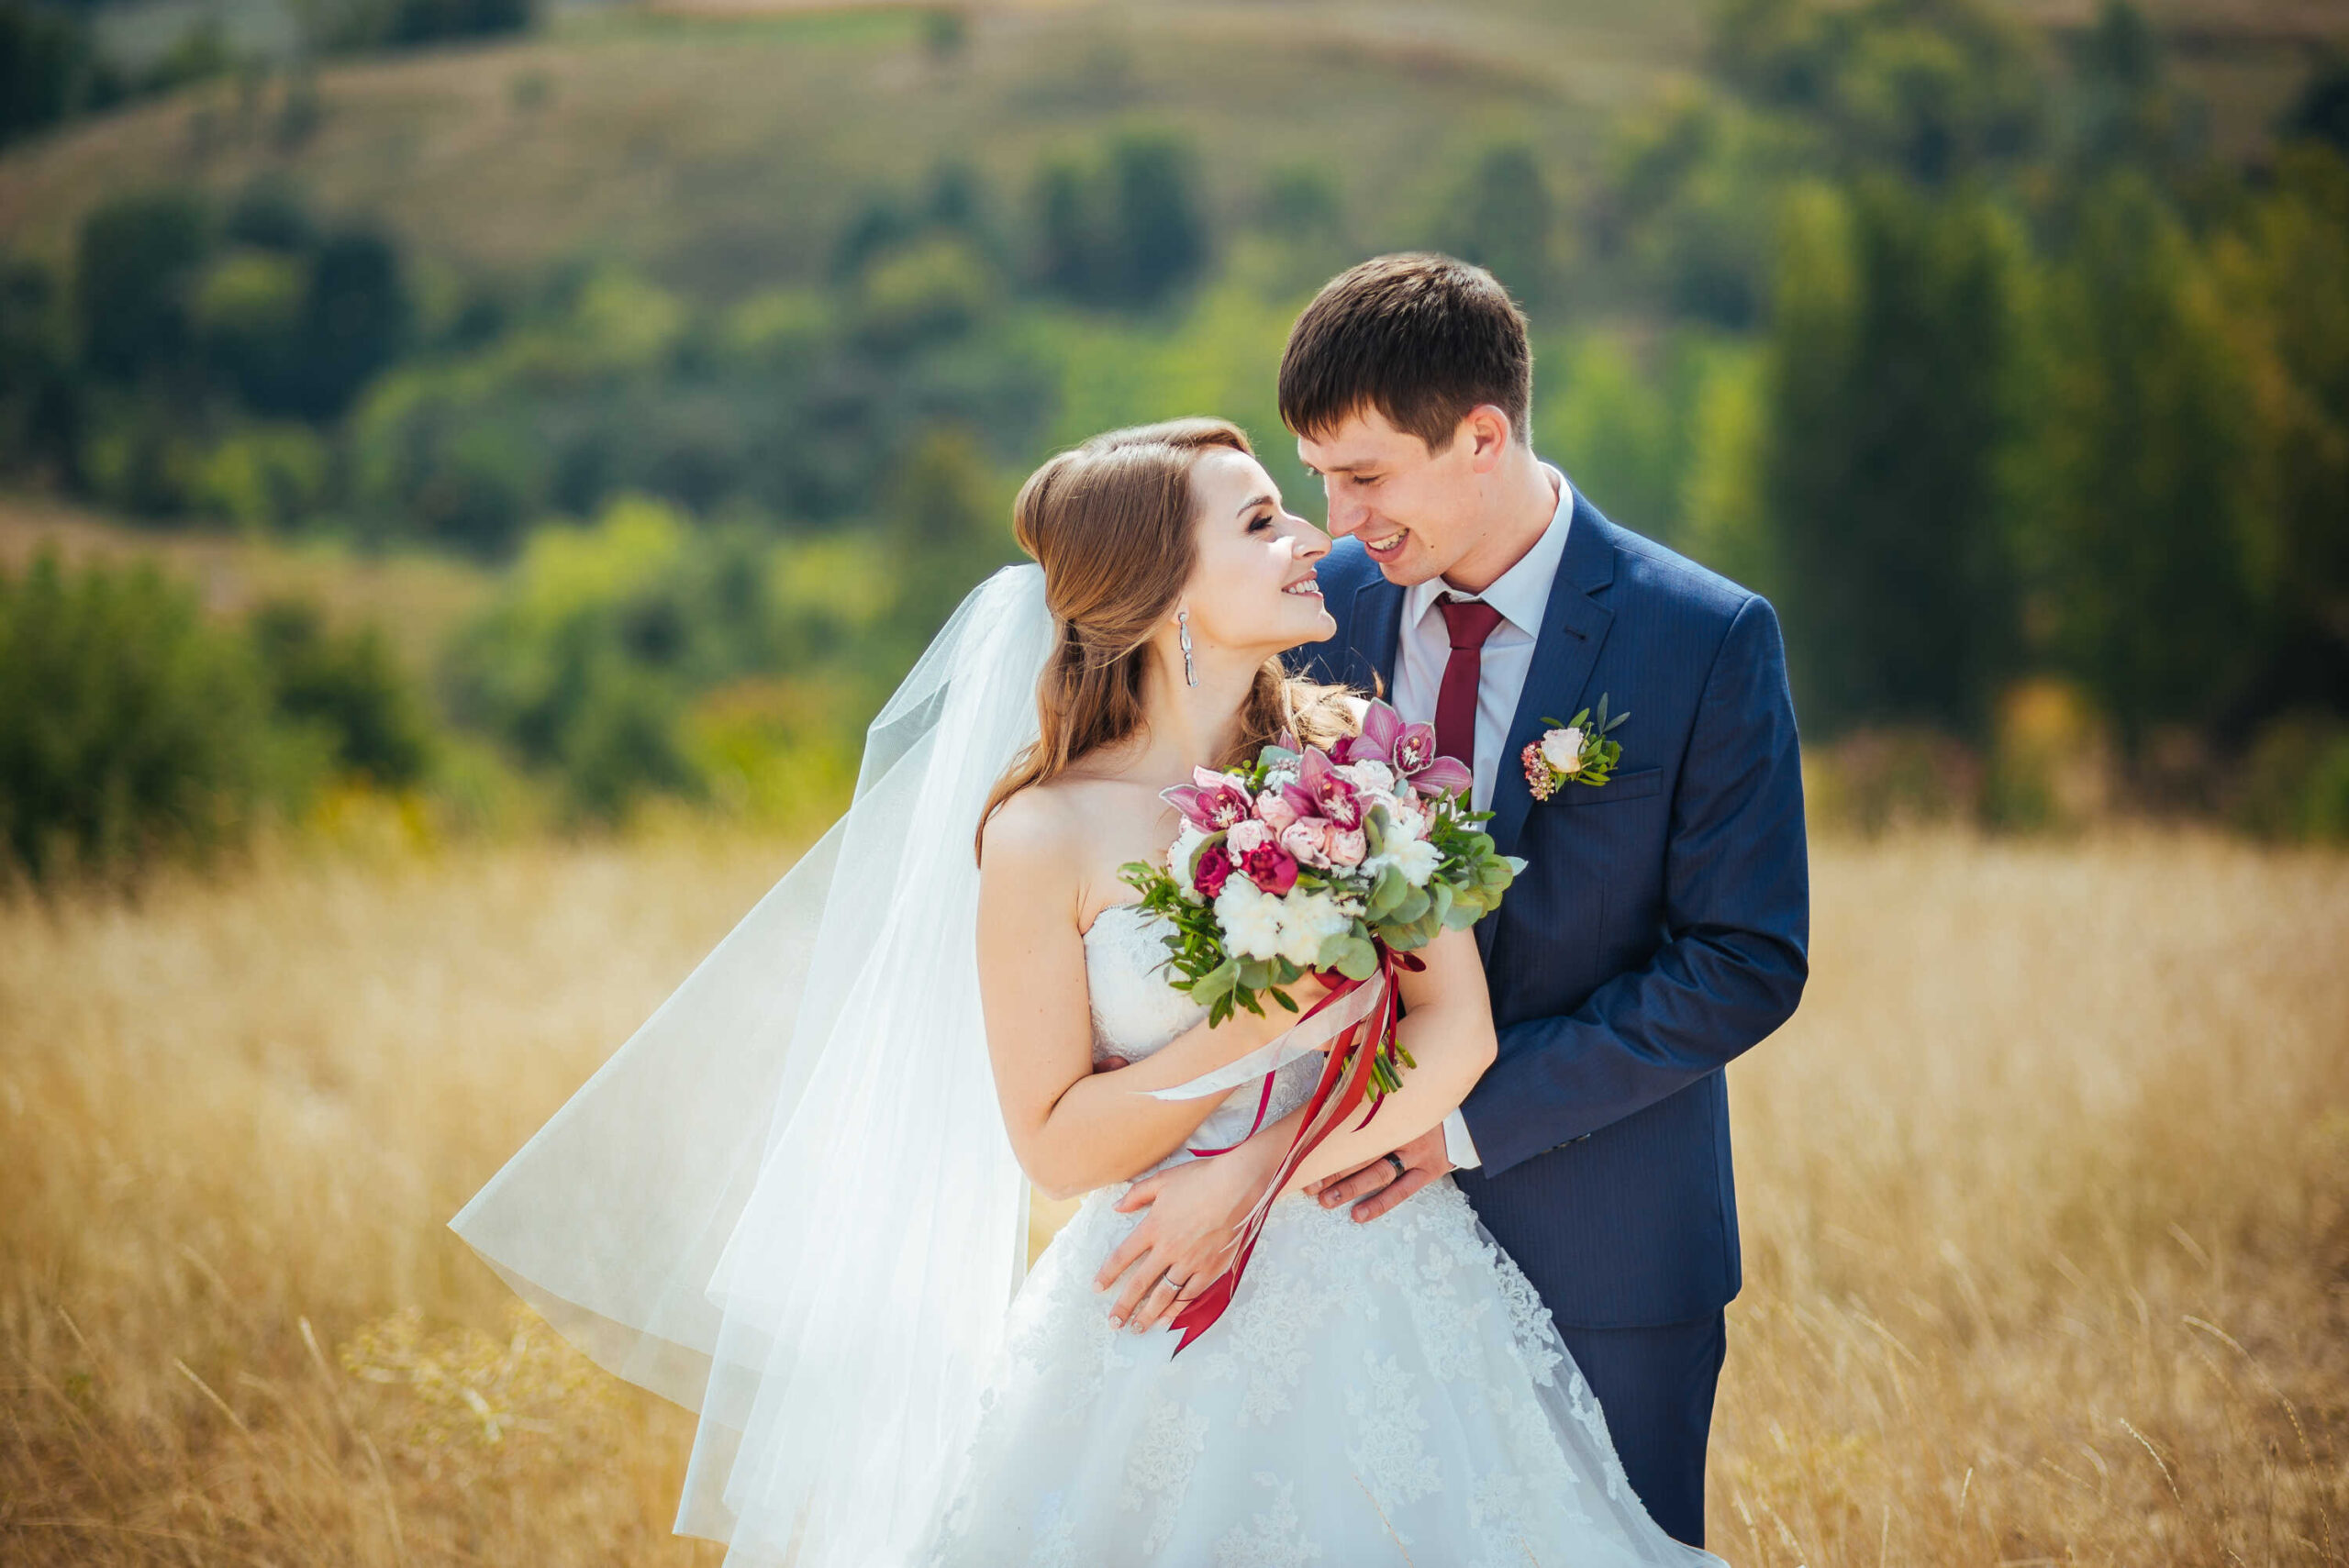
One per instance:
(796, 1199)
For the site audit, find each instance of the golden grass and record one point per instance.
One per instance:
(2046, 1197)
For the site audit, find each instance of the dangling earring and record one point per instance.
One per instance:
(1183, 621)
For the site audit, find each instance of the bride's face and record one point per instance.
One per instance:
(1251, 589)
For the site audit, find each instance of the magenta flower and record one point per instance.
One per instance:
(1210, 871)
(1332, 797)
(1211, 802)
(1381, 728)
(1271, 868)
(1408, 749)
(1445, 775)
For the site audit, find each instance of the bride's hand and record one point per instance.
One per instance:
(1183, 1241)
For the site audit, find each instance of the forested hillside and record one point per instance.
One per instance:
(2006, 347)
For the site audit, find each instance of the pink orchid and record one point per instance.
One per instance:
(1212, 802)
(1381, 727)
(1332, 797)
(1445, 775)
(1408, 749)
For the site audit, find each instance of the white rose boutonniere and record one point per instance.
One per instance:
(1578, 752)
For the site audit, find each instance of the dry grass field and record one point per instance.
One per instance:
(2046, 1197)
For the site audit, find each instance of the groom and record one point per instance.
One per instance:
(1661, 925)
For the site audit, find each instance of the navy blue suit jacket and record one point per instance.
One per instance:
(1661, 925)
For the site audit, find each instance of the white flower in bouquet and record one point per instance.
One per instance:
(1307, 920)
(1371, 776)
(1247, 835)
(1251, 920)
(1414, 858)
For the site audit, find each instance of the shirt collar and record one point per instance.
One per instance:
(1521, 594)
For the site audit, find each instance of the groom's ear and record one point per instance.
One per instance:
(1486, 431)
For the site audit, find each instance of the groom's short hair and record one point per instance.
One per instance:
(1422, 337)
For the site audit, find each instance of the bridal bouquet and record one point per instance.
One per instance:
(1338, 863)
(1308, 859)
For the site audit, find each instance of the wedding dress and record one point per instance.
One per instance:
(1382, 1392)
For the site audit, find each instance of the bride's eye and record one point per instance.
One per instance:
(1261, 520)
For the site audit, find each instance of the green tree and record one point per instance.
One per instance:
(350, 688)
(50, 69)
(2284, 271)
(1934, 90)
(129, 727)
(1892, 397)
(1611, 429)
(1160, 242)
(1505, 219)
(2143, 522)
(137, 262)
(355, 317)
(40, 397)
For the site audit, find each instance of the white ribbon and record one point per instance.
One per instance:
(1302, 1038)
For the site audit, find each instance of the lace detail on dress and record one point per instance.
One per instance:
(1274, 1539)
(1158, 1470)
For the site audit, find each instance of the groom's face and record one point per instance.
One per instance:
(1417, 512)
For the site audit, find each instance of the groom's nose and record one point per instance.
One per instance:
(1346, 512)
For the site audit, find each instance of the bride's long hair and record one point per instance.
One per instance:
(1112, 523)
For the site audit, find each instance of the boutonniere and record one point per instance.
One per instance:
(1575, 753)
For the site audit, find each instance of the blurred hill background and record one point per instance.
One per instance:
(513, 412)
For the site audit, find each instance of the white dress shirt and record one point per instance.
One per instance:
(1521, 594)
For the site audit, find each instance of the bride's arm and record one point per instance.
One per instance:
(1072, 1128)
(1196, 1207)
(1447, 1028)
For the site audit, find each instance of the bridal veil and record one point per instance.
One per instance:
(787, 1201)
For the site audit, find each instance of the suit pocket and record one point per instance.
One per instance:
(1622, 786)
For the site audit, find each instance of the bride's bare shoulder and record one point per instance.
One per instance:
(1038, 828)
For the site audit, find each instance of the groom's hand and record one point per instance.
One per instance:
(1375, 1188)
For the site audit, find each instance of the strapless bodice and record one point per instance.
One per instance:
(1135, 1012)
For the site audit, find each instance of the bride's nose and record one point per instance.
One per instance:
(1308, 543)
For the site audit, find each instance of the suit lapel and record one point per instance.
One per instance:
(1573, 629)
(1375, 622)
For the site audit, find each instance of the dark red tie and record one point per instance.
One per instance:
(1470, 621)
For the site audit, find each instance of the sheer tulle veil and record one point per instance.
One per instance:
(787, 1201)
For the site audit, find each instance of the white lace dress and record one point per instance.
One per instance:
(1381, 1393)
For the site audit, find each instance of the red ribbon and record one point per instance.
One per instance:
(1342, 1087)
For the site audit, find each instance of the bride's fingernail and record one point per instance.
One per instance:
(1115, 1321)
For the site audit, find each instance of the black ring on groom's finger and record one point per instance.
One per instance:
(1396, 1160)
